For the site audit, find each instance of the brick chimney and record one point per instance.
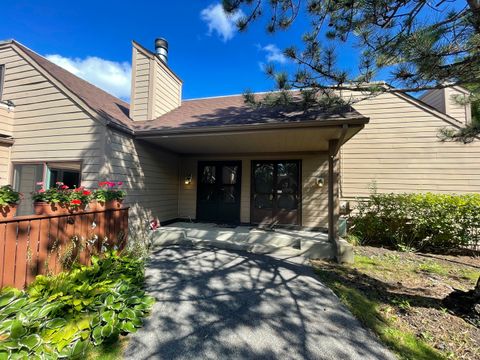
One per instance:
(156, 89)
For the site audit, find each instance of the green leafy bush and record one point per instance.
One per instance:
(59, 316)
(433, 221)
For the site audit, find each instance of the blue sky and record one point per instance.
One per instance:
(93, 40)
(205, 50)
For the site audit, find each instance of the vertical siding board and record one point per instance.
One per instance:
(10, 254)
(22, 254)
(66, 242)
(44, 240)
(82, 233)
(34, 236)
(3, 232)
(112, 230)
(90, 218)
(53, 244)
(65, 229)
(100, 220)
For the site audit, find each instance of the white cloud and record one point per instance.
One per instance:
(274, 54)
(220, 22)
(113, 77)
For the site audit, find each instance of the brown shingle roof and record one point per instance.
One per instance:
(103, 103)
(192, 114)
(232, 111)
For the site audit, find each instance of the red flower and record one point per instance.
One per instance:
(120, 183)
(110, 184)
(76, 202)
(64, 187)
(86, 192)
(102, 183)
(41, 190)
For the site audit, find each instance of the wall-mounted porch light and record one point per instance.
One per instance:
(188, 179)
(320, 181)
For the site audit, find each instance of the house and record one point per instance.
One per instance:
(214, 159)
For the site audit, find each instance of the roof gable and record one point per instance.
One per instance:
(107, 106)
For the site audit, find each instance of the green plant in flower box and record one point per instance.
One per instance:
(8, 196)
(108, 191)
(79, 196)
(55, 195)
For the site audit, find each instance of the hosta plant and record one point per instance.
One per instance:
(60, 316)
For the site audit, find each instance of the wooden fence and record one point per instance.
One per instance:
(43, 244)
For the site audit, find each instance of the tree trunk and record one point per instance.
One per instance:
(465, 303)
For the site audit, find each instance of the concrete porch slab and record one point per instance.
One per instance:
(309, 244)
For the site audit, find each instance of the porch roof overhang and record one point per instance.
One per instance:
(286, 137)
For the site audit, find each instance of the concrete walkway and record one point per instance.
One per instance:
(219, 304)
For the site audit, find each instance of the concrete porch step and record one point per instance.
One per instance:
(282, 242)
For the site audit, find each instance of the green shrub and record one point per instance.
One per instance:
(59, 316)
(433, 221)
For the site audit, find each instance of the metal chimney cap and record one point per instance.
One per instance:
(161, 43)
(161, 48)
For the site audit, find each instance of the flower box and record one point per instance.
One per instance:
(8, 211)
(105, 205)
(46, 208)
(9, 199)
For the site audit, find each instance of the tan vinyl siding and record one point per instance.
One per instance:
(314, 198)
(4, 164)
(156, 90)
(6, 120)
(48, 126)
(150, 177)
(140, 85)
(167, 91)
(400, 150)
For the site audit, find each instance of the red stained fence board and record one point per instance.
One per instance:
(42, 244)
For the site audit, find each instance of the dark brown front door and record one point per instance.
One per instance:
(276, 192)
(218, 191)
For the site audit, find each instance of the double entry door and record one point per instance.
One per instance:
(276, 192)
(218, 191)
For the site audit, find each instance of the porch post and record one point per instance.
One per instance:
(333, 196)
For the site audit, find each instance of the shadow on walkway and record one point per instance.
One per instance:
(218, 304)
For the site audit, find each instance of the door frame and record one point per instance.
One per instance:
(220, 163)
(300, 188)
